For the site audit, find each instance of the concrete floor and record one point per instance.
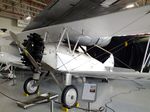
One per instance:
(116, 96)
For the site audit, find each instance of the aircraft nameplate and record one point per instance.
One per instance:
(89, 92)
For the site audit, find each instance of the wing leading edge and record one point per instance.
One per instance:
(112, 75)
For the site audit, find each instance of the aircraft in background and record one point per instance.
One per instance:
(9, 58)
(54, 50)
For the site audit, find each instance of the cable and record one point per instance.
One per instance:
(4, 81)
(16, 100)
(13, 99)
(112, 34)
(92, 110)
(116, 52)
(132, 22)
(105, 53)
(128, 92)
(75, 57)
(9, 97)
(99, 110)
(99, 55)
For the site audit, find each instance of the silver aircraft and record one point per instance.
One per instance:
(58, 49)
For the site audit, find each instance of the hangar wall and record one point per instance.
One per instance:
(9, 24)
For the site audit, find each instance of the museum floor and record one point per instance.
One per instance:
(115, 96)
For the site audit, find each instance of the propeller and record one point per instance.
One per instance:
(27, 54)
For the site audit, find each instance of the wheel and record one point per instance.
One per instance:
(29, 87)
(105, 80)
(69, 96)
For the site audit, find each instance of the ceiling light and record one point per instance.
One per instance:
(28, 18)
(130, 6)
(1, 54)
(107, 3)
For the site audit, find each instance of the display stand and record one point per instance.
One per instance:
(89, 93)
(42, 98)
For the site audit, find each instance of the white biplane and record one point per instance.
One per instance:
(53, 50)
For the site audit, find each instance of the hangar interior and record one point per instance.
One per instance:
(38, 37)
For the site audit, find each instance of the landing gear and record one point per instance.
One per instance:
(69, 96)
(30, 87)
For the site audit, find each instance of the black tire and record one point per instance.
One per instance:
(63, 96)
(26, 88)
(105, 80)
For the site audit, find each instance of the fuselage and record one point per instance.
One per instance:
(62, 59)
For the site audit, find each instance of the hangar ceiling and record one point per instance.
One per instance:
(18, 9)
(58, 11)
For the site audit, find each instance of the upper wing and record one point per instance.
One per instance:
(128, 22)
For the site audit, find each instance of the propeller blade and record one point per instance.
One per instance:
(27, 54)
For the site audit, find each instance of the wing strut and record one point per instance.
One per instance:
(146, 52)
